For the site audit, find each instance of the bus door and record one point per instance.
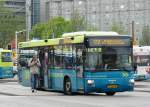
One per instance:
(41, 74)
(44, 67)
(79, 69)
(50, 66)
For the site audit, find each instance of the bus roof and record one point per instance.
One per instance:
(50, 42)
(5, 50)
(90, 33)
(74, 37)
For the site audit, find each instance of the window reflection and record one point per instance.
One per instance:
(108, 58)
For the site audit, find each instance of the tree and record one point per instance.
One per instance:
(56, 26)
(2, 8)
(119, 28)
(145, 40)
(79, 23)
(9, 23)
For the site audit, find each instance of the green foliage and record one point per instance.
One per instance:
(77, 22)
(9, 23)
(119, 28)
(145, 40)
(1, 5)
(56, 26)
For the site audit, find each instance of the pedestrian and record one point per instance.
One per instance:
(34, 65)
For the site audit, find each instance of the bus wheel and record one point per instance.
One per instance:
(110, 93)
(67, 86)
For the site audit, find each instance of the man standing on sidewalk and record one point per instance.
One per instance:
(34, 65)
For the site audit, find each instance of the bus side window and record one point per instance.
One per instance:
(67, 57)
(58, 57)
(68, 62)
(51, 58)
(79, 61)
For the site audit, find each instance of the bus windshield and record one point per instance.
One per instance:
(6, 57)
(108, 58)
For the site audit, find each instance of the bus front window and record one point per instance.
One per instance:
(108, 58)
(6, 57)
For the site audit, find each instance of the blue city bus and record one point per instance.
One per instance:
(6, 64)
(84, 62)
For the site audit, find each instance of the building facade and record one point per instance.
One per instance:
(17, 6)
(35, 12)
(101, 13)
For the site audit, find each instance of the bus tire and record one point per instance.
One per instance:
(67, 86)
(110, 93)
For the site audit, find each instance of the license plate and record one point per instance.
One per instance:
(112, 86)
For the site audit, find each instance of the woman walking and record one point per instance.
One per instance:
(34, 65)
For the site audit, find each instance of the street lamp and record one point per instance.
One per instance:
(16, 38)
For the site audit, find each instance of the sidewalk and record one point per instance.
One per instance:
(15, 89)
(11, 87)
(15, 79)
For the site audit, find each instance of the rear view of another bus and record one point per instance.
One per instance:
(6, 64)
(142, 62)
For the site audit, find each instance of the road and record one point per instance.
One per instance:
(14, 95)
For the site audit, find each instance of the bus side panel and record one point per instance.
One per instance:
(56, 79)
(6, 72)
(24, 76)
(72, 75)
(80, 83)
(1, 73)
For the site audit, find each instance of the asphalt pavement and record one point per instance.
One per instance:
(13, 88)
(12, 94)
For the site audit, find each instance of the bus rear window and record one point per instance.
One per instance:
(6, 57)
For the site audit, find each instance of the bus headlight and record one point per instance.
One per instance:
(90, 82)
(131, 81)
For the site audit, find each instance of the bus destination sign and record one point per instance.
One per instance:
(109, 42)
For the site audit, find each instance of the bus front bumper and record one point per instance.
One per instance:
(108, 85)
